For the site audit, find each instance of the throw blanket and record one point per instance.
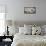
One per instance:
(29, 40)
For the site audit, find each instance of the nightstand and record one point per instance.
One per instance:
(7, 43)
(4, 42)
(7, 40)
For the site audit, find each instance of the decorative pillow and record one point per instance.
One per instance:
(13, 30)
(28, 31)
(44, 29)
(33, 30)
(23, 30)
(28, 26)
(36, 30)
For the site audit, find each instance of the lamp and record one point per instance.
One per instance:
(8, 23)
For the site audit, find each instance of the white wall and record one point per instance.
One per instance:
(15, 9)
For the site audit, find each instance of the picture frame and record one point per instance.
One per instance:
(29, 10)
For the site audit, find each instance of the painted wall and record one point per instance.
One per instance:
(40, 10)
(15, 9)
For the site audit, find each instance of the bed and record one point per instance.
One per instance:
(25, 39)
(29, 40)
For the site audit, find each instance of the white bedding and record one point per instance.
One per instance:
(29, 40)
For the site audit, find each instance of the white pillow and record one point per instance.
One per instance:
(36, 30)
(44, 27)
(28, 26)
(23, 30)
(28, 31)
(33, 30)
(42, 30)
(13, 30)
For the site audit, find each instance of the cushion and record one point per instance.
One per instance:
(44, 26)
(28, 26)
(24, 30)
(44, 29)
(36, 30)
(28, 31)
(13, 30)
(21, 30)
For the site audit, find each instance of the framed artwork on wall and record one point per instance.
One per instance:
(29, 10)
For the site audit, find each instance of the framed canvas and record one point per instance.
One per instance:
(29, 10)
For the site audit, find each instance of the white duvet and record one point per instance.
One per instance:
(29, 40)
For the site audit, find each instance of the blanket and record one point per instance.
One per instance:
(29, 40)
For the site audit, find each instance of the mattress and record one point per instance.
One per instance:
(28, 40)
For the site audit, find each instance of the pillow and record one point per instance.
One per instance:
(28, 26)
(28, 31)
(36, 30)
(44, 26)
(23, 30)
(44, 29)
(13, 30)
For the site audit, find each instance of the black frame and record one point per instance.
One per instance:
(29, 10)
